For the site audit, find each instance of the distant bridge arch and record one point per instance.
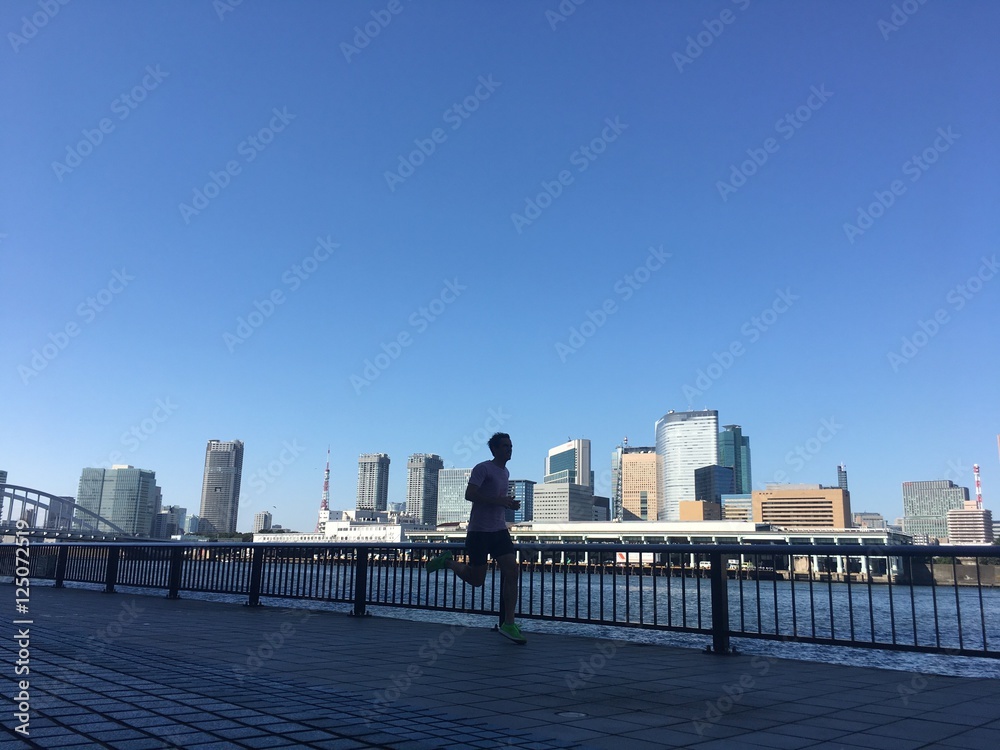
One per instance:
(44, 511)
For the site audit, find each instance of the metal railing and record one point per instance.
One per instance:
(896, 597)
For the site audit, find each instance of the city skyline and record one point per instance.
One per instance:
(793, 225)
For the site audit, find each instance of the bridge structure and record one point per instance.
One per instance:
(52, 516)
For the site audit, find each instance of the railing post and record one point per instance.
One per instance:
(720, 605)
(360, 581)
(256, 570)
(500, 599)
(61, 558)
(174, 575)
(111, 574)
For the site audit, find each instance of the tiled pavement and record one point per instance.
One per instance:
(128, 671)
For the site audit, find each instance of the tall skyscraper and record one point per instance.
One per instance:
(220, 487)
(712, 482)
(926, 506)
(124, 495)
(685, 441)
(570, 462)
(639, 489)
(422, 486)
(452, 507)
(842, 477)
(262, 521)
(522, 490)
(373, 481)
(734, 452)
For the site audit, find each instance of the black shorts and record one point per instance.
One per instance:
(479, 543)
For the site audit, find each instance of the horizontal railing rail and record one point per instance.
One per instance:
(913, 598)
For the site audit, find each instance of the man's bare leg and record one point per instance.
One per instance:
(509, 571)
(474, 575)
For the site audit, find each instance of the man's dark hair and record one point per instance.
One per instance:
(494, 442)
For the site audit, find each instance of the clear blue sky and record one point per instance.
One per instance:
(226, 146)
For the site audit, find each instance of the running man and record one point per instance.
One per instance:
(487, 532)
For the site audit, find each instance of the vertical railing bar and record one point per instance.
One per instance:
(829, 588)
(913, 604)
(670, 601)
(871, 599)
(982, 612)
(760, 622)
(812, 601)
(892, 601)
(958, 603)
(850, 595)
(774, 595)
(937, 628)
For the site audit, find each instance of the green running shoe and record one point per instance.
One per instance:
(511, 631)
(436, 563)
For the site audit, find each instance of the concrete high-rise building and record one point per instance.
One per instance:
(842, 477)
(220, 487)
(712, 482)
(262, 521)
(563, 501)
(803, 506)
(970, 526)
(926, 506)
(863, 520)
(169, 522)
(734, 452)
(523, 490)
(373, 481)
(737, 507)
(124, 495)
(685, 441)
(639, 490)
(452, 507)
(422, 486)
(570, 462)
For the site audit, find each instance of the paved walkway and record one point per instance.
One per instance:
(127, 671)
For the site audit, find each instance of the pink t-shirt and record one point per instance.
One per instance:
(492, 481)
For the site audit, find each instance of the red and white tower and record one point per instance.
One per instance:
(324, 505)
(979, 487)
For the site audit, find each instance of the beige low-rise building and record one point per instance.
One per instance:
(699, 510)
(802, 506)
